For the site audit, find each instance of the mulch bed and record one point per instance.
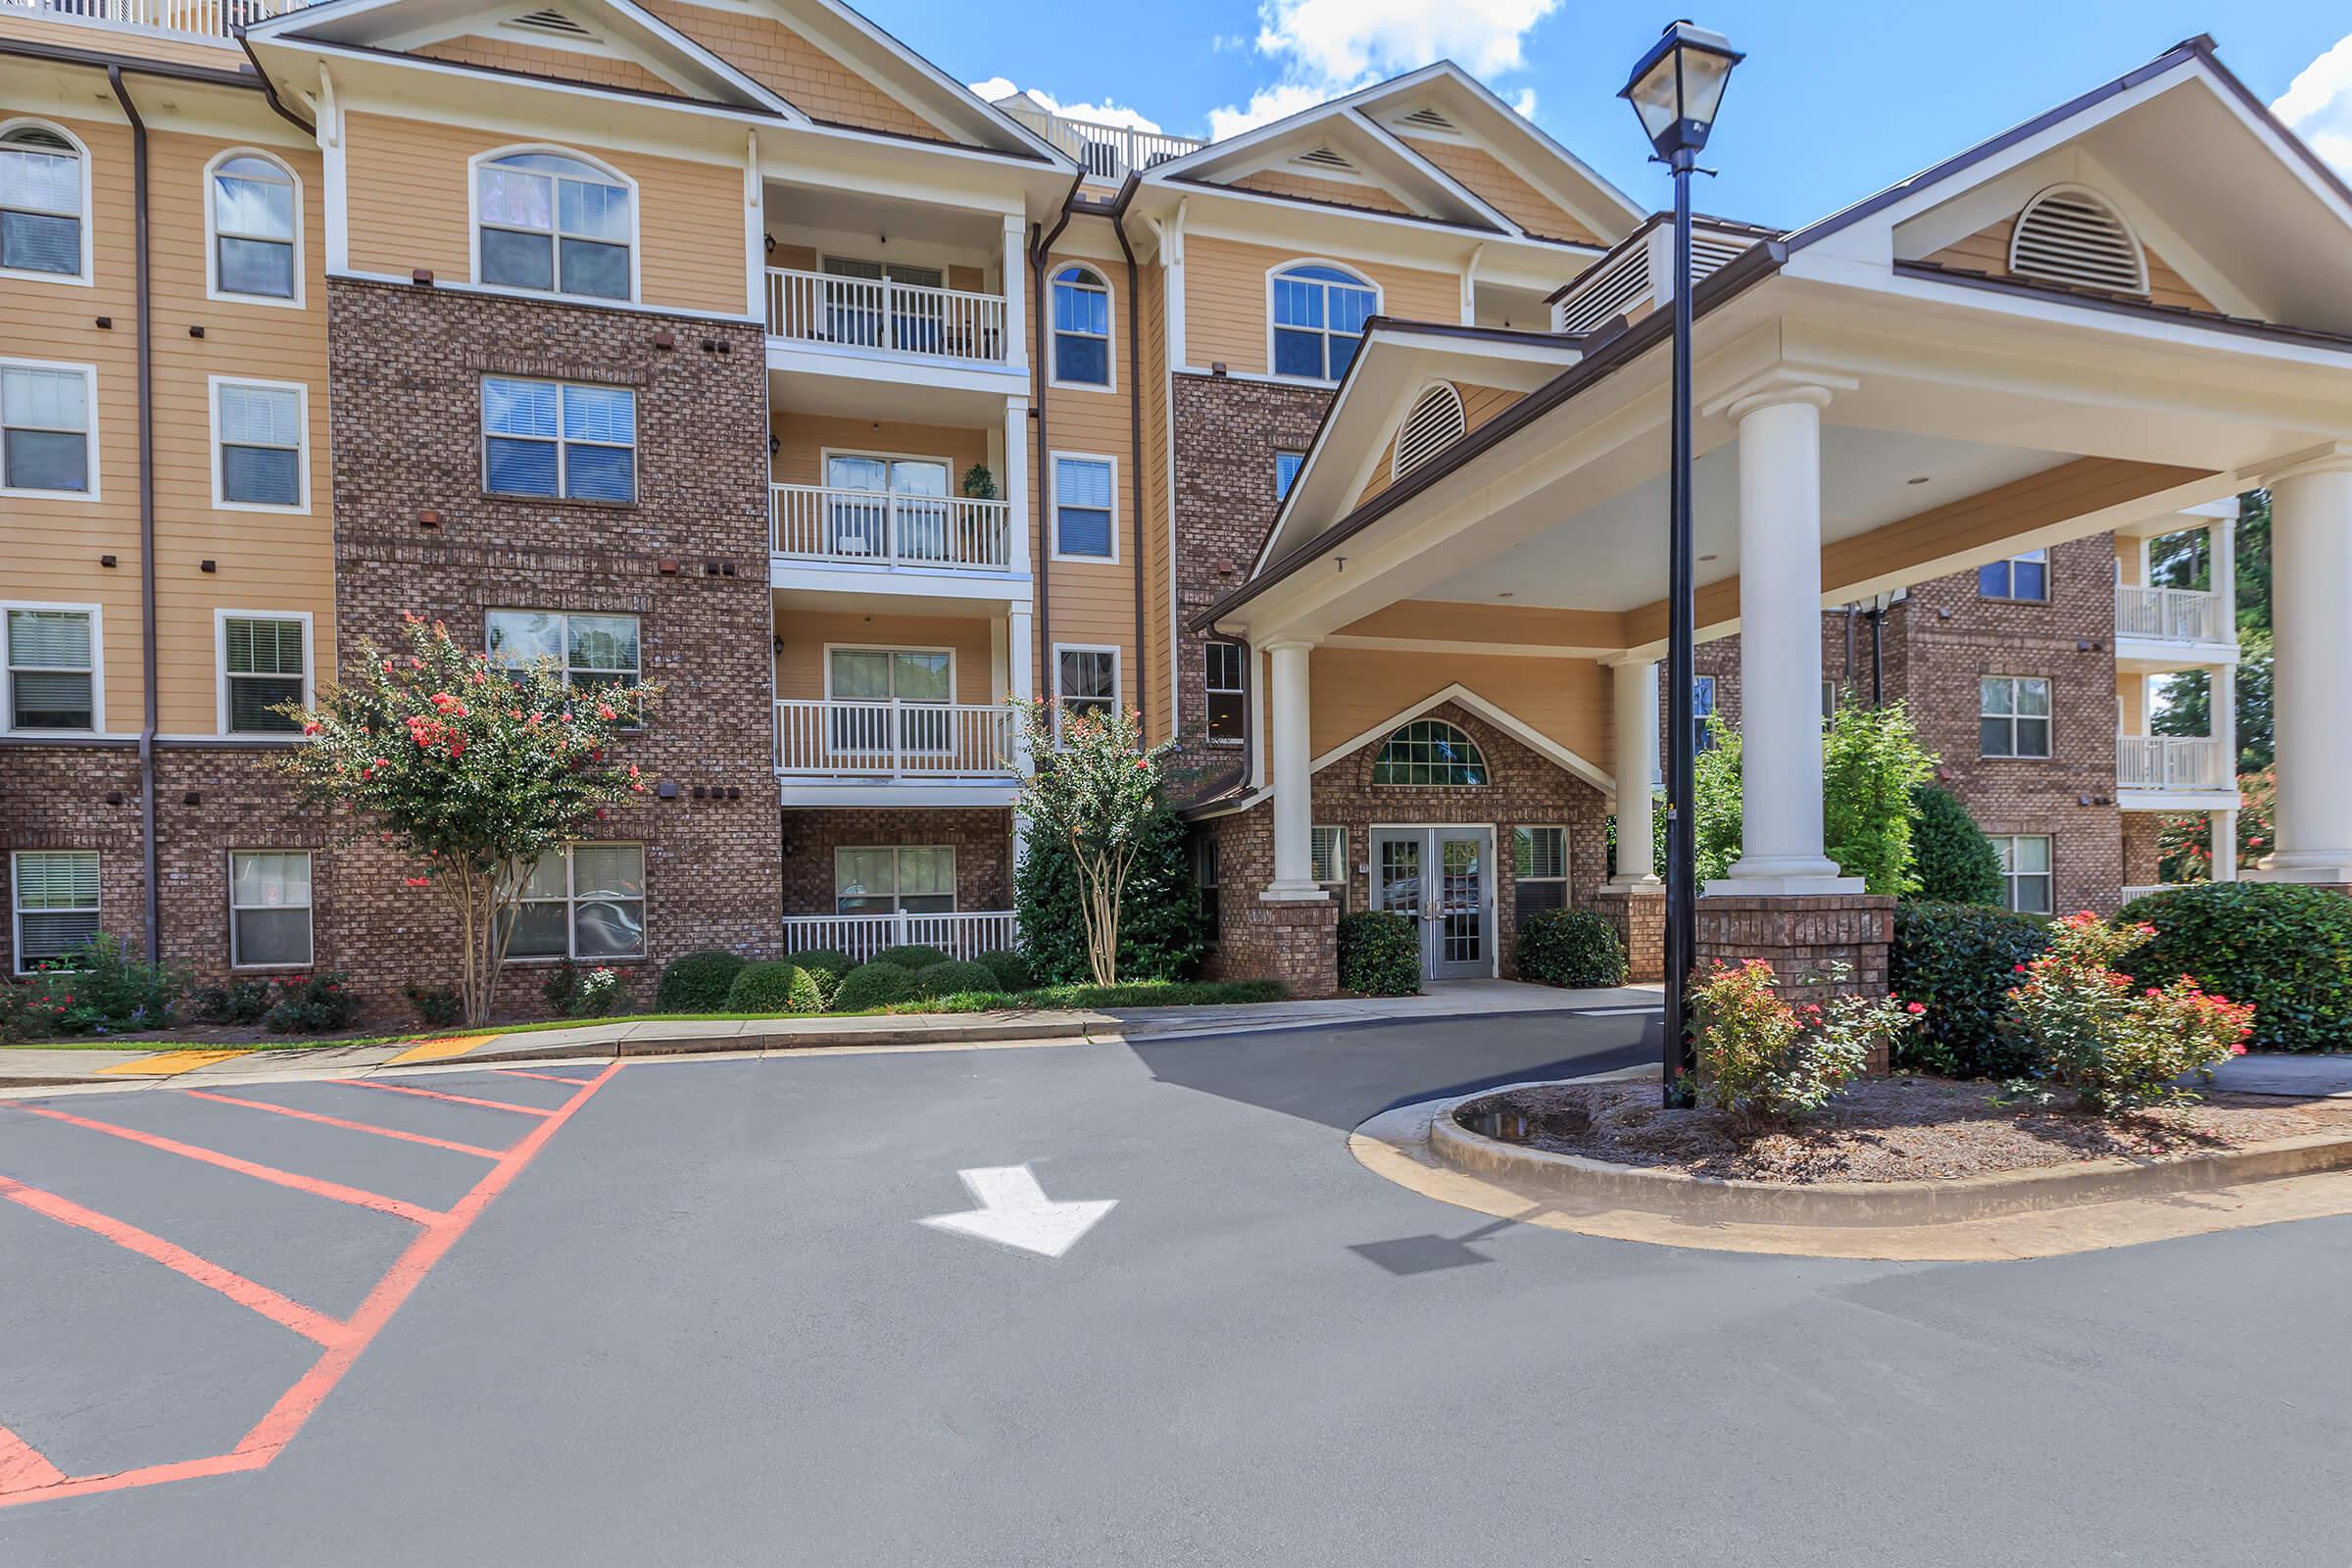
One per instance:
(1886, 1130)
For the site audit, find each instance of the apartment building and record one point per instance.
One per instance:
(729, 344)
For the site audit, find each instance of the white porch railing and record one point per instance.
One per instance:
(2175, 614)
(2160, 887)
(2170, 762)
(861, 936)
(218, 18)
(924, 741)
(890, 318)
(1106, 151)
(875, 528)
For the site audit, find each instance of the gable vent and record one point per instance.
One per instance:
(550, 22)
(1708, 254)
(2069, 234)
(1435, 422)
(1606, 296)
(1427, 120)
(1324, 158)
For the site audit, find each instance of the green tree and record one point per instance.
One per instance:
(1871, 759)
(472, 770)
(1952, 859)
(1160, 926)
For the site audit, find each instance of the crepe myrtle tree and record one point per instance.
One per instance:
(472, 768)
(1096, 786)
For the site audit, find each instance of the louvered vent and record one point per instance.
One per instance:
(550, 22)
(1324, 158)
(1709, 254)
(1606, 296)
(1434, 422)
(2070, 235)
(1426, 120)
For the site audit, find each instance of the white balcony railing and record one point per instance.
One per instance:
(1104, 152)
(903, 319)
(861, 936)
(218, 18)
(2170, 762)
(2159, 887)
(877, 528)
(2174, 615)
(896, 740)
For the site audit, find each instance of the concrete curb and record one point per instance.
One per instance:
(1717, 1200)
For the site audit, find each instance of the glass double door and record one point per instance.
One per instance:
(899, 507)
(1442, 878)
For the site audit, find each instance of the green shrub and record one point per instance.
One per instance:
(2117, 1046)
(1012, 970)
(824, 969)
(1762, 1061)
(1871, 757)
(774, 985)
(1953, 859)
(1961, 959)
(104, 987)
(239, 1002)
(1571, 948)
(912, 956)
(310, 1004)
(1160, 910)
(1141, 994)
(2285, 949)
(436, 1006)
(1380, 953)
(697, 982)
(873, 985)
(954, 978)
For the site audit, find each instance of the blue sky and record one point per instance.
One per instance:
(1836, 99)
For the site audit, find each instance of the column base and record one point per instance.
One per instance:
(1638, 909)
(1777, 886)
(1295, 893)
(1295, 940)
(1799, 936)
(2324, 870)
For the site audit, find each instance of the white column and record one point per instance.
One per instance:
(1020, 654)
(2223, 552)
(2311, 584)
(1016, 291)
(1020, 524)
(1637, 764)
(2225, 845)
(1780, 644)
(1294, 779)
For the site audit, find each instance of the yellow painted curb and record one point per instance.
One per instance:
(440, 1049)
(166, 1063)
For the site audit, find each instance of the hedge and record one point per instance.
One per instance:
(954, 978)
(911, 956)
(774, 985)
(697, 982)
(873, 985)
(825, 969)
(1953, 859)
(1960, 960)
(1012, 970)
(2285, 949)
(1380, 953)
(1571, 948)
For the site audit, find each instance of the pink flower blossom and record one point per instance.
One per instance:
(1916, 1008)
(604, 710)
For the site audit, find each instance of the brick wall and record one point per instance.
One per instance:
(2142, 853)
(981, 838)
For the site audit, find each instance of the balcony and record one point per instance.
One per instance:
(2172, 763)
(881, 319)
(2171, 615)
(1108, 153)
(894, 740)
(860, 937)
(883, 531)
(216, 19)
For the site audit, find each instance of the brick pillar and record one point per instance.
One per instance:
(1797, 934)
(1639, 916)
(1297, 943)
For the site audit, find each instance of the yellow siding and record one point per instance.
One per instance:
(2127, 559)
(807, 437)
(2130, 693)
(1504, 191)
(1094, 602)
(1153, 388)
(800, 663)
(1225, 295)
(565, 64)
(796, 69)
(1353, 689)
(1275, 182)
(1988, 250)
(409, 206)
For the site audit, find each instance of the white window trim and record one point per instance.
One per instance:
(1242, 691)
(560, 441)
(1379, 305)
(1344, 867)
(1282, 491)
(7, 699)
(1118, 675)
(1567, 855)
(895, 850)
(302, 452)
(87, 276)
(1110, 338)
(571, 898)
(827, 455)
(16, 907)
(311, 909)
(2051, 718)
(2010, 876)
(211, 247)
(221, 681)
(889, 648)
(474, 225)
(90, 377)
(1053, 462)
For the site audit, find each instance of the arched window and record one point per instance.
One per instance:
(1433, 421)
(252, 218)
(43, 191)
(2071, 234)
(1081, 327)
(556, 224)
(1318, 318)
(1430, 751)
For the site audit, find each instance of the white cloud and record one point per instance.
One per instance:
(1105, 113)
(1265, 105)
(1324, 48)
(1525, 102)
(2318, 104)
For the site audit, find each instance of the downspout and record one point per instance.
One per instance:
(1135, 464)
(1878, 650)
(1852, 610)
(146, 384)
(1040, 480)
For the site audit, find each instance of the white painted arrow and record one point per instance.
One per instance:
(1014, 1211)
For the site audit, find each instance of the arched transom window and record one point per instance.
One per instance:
(2071, 234)
(1319, 315)
(1427, 752)
(556, 224)
(1081, 327)
(1434, 422)
(40, 202)
(253, 228)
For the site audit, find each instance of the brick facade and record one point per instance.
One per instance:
(1641, 922)
(982, 839)
(2143, 852)
(1799, 936)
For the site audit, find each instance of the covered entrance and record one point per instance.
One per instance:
(1444, 878)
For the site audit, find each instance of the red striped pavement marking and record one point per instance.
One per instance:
(317, 1327)
(543, 1077)
(435, 1094)
(244, 1167)
(27, 1477)
(347, 1126)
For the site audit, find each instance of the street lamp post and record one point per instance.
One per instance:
(1676, 89)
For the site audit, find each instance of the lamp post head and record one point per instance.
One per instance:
(1678, 87)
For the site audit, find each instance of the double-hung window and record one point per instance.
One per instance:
(588, 651)
(264, 665)
(45, 429)
(586, 901)
(1083, 509)
(913, 880)
(1221, 677)
(559, 439)
(1319, 317)
(1702, 708)
(1327, 853)
(555, 224)
(1286, 471)
(52, 669)
(1205, 882)
(268, 908)
(56, 904)
(1086, 680)
(41, 185)
(1541, 868)
(252, 206)
(259, 428)
(2026, 576)
(1081, 327)
(2025, 872)
(2014, 717)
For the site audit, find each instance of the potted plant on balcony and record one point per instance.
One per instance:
(978, 483)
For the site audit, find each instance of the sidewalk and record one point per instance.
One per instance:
(33, 1067)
